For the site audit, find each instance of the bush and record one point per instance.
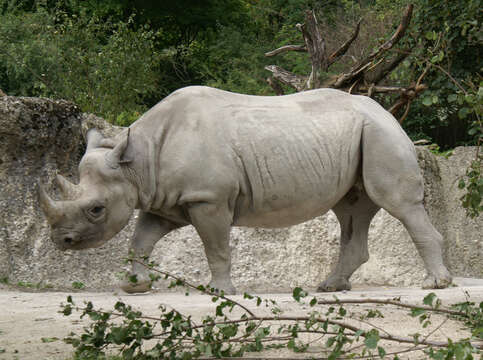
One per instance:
(106, 68)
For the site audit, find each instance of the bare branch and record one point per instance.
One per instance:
(395, 108)
(275, 84)
(192, 286)
(286, 77)
(316, 48)
(422, 142)
(390, 302)
(406, 112)
(353, 86)
(343, 49)
(364, 64)
(382, 89)
(385, 89)
(375, 75)
(301, 48)
(344, 78)
(401, 29)
(353, 328)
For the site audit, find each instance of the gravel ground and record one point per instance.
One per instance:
(28, 317)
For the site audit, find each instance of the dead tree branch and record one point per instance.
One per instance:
(344, 79)
(286, 77)
(379, 72)
(301, 48)
(391, 302)
(363, 78)
(336, 55)
(316, 48)
(275, 84)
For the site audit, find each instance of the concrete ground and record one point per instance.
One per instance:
(32, 328)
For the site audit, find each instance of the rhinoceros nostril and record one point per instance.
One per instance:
(68, 240)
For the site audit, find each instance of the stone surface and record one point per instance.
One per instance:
(40, 136)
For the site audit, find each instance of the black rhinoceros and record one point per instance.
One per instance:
(216, 159)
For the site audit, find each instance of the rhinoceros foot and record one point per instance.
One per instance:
(334, 284)
(442, 279)
(137, 287)
(226, 286)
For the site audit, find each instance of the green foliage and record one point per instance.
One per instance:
(446, 38)
(126, 118)
(228, 60)
(472, 200)
(58, 55)
(78, 285)
(435, 149)
(30, 285)
(49, 339)
(472, 316)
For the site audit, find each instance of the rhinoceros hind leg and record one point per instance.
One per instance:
(354, 212)
(213, 223)
(429, 242)
(149, 230)
(393, 181)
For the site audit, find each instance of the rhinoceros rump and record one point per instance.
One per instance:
(216, 159)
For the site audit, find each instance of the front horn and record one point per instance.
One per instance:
(50, 207)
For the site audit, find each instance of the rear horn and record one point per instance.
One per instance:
(67, 189)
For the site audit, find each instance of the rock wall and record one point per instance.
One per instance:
(41, 136)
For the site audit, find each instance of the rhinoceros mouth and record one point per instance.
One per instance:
(75, 241)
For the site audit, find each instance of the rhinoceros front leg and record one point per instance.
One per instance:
(149, 230)
(213, 223)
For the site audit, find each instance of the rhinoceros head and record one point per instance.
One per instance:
(96, 209)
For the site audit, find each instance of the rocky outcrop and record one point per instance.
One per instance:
(41, 136)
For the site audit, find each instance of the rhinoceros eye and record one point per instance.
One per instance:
(95, 213)
(96, 210)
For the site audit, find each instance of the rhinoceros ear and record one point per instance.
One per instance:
(94, 139)
(115, 157)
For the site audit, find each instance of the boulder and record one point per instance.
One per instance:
(42, 136)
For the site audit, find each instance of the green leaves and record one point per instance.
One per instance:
(463, 112)
(381, 352)
(49, 339)
(430, 100)
(78, 285)
(298, 293)
(417, 312)
(429, 299)
(472, 200)
(372, 339)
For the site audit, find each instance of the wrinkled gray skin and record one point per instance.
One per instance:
(216, 159)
